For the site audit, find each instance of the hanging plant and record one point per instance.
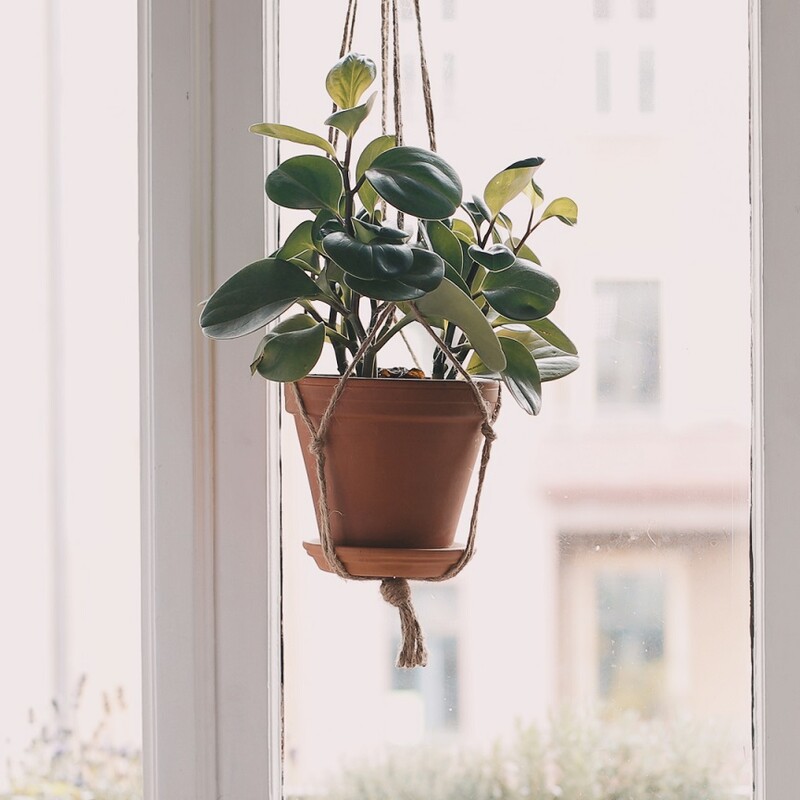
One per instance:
(395, 484)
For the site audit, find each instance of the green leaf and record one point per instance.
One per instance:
(306, 182)
(290, 134)
(534, 194)
(495, 258)
(367, 195)
(424, 276)
(444, 242)
(324, 223)
(463, 231)
(383, 232)
(521, 374)
(290, 350)
(298, 243)
(416, 181)
(521, 292)
(524, 251)
(456, 278)
(253, 297)
(450, 302)
(552, 362)
(545, 328)
(369, 261)
(564, 209)
(349, 78)
(349, 120)
(506, 185)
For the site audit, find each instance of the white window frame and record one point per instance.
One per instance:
(210, 484)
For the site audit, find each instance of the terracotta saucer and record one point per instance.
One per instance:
(388, 562)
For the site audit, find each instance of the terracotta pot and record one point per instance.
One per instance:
(400, 455)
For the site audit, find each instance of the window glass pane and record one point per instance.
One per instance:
(69, 553)
(603, 628)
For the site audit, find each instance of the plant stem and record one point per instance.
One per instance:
(530, 230)
(488, 232)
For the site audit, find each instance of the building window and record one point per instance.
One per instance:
(630, 657)
(603, 81)
(647, 81)
(602, 9)
(646, 9)
(449, 79)
(448, 9)
(628, 369)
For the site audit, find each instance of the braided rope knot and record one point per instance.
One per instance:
(488, 431)
(316, 446)
(395, 591)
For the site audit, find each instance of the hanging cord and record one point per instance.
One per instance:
(398, 105)
(346, 46)
(426, 81)
(395, 590)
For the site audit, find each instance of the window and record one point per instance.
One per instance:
(628, 342)
(602, 9)
(647, 81)
(602, 70)
(646, 9)
(448, 9)
(775, 642)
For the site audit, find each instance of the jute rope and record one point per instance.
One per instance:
(395, 591)
(426, 81)
(346, 46)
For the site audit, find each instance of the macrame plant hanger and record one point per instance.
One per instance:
(395, 591)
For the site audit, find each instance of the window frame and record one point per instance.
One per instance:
(211, 636)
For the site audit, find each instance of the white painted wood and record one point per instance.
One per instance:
(776, 539)
(210, 666)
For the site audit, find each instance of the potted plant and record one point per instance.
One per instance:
(399, 451)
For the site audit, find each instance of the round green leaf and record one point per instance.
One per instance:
(444, 242)
(290, 350)
(290, 134)
(564, 209)
(495, 258)
(416, 181)
(521, 292)
(349, 78)
(521, 374)
(426, 273)
(324, 223)
(449, 302)
(367, 195)
(349, 120)
(463, 231)
(299, 243)
(506, 185)
(306, 182)
(523, 251)
(370, 261)
(253, 297)
(552, 362)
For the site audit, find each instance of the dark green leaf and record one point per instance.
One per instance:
(506, 185)
(290, 134)
(367, 195)
(444, 242)
(253, 297)
(368, 261)
(383, 232)
(324, 223)
(298, 243)
(306, 182)
(521, 292)
(521, 375)
(416, 181)
(495, 258)
(349, 78)
(425, 275)
(290, 350)
(349, 120)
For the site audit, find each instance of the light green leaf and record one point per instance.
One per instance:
(545, 328)
(564, 209)
(299, 243)
(450, 302)
(253, 297)
(495, 258)
(349, 120)
(506, 185)
(416, 181)
(306, 182)
(369, 261)
(349, 78)
(367, 195)
(521, 375)
(444, 242)
(521, 292)
(290, 350)
(524, 251)
(290, 134)
(463, 231)
(534, 194)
